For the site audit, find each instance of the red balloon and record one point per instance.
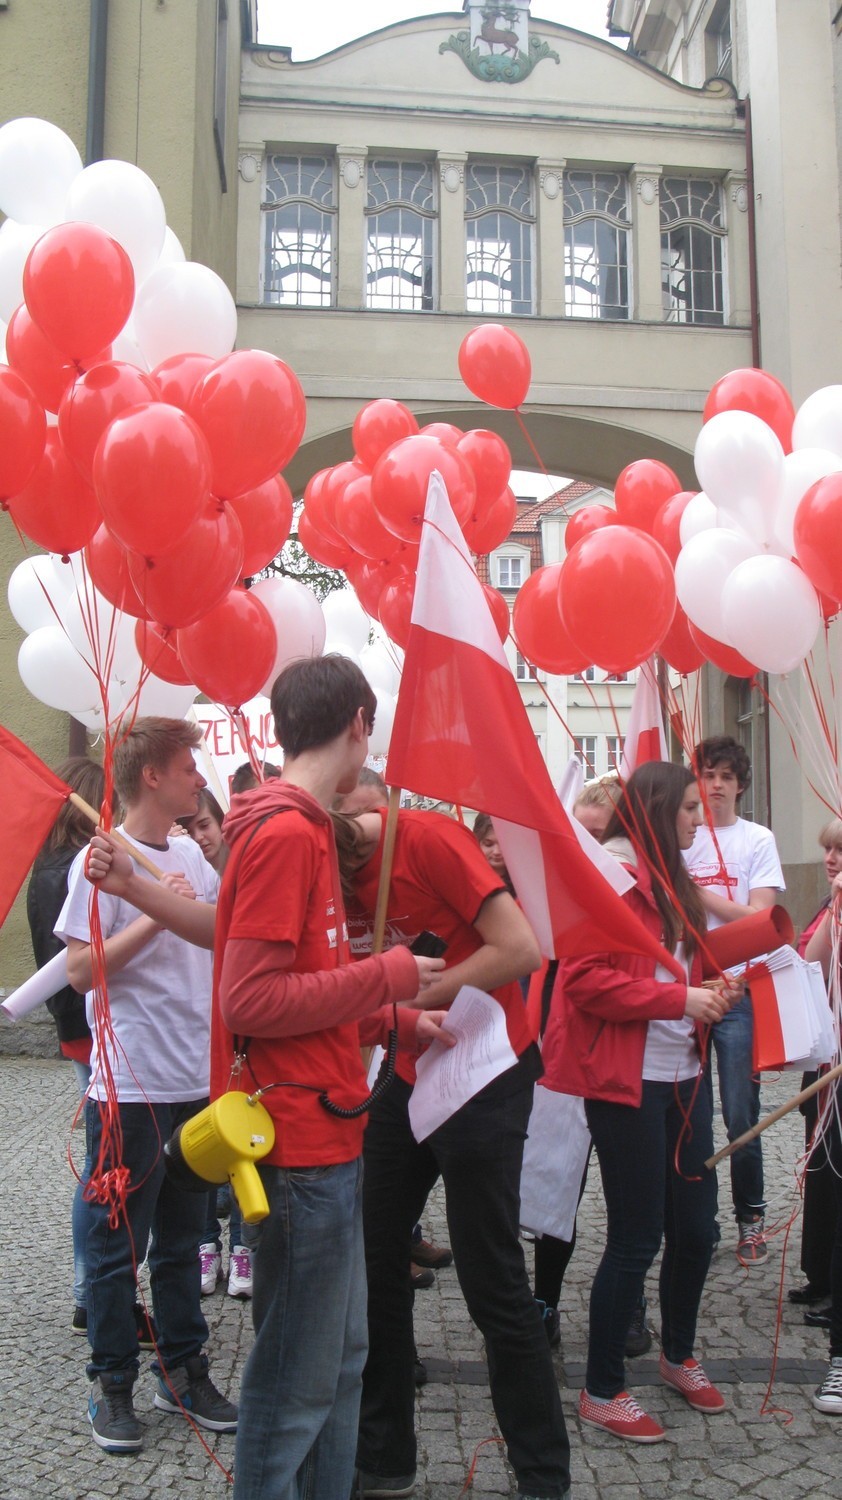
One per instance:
(180, 587)
(334, 483)
(758, 392)
(152, 476)
(93, 402)
(495, 365)
(315, 506)
(78, 284)
(617, 597)
(45, 371)
(378, 425)
(721, 655)
(641, 489)
(230, 652)
(56, 508)
(818, 535)
(178, 376)
(108, 568)
(485, 531)
(394, 608)
(499, 610)
(541, 634)
(401, 478)
(157, 649)
(23, 433)
(678, 647)
(251, 409)
(666, 527)
(583, 522)
(359, 523)
(491, 462)
(320, 545)
(370, 579)
(265, 514)
(446, 432)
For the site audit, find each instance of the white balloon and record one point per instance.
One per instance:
(39, 588)
(346, 619)
(380, 668)
(16, 241)
(384, 720)
(126, 348)
(124, 201)
(818, 422)
(739, 461)
(99, 631)
(184, 309)
(699, 514)
(802, 468)
(169, 699)
(52, 670)
(172, 251)
(38, 162)
(298, 619)
(701, 571)
(771, 612)
(335, 647)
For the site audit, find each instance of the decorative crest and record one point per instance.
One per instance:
(498, 47)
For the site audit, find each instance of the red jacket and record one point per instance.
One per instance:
(601, 1005)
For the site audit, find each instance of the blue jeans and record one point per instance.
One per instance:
(478, 1153)
(647, 1198)
(175, 1220)
(238, 1232)
(739, 1096)
(80, 1218)
(300, 1394)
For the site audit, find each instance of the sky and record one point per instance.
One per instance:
(318, 27)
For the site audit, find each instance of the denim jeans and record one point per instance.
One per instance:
(175, 1220)
(238, 1232)
(647, 1197)
(300, 1394)
(739, 1096)
(479, 1154)
(80, 1218)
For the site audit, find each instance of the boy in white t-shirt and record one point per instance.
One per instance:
(158, 1058)
(736, 864)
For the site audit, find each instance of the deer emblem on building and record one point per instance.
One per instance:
(498, 47)
(491, 33)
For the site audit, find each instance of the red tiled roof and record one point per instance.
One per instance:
(527, 528)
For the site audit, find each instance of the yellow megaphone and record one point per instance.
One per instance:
(221, 1144)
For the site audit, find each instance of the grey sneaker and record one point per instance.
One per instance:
(111, 1413)
(828, 1397)
(752, 1249)
(191, 1387)
(377, 1487)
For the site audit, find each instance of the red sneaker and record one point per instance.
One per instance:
(622, 1416)
(690, 1380)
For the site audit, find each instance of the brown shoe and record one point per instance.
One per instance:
(434, 1256)
(422, 1277)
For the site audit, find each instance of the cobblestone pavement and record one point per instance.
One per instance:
(47, 1452)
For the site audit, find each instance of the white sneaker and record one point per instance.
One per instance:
(239, 1272)
(210, 1261)
(828, 1397)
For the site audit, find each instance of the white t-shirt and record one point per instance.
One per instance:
(671, 1052)
(750, 859)
(160, 1002)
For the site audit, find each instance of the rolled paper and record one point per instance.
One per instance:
(749, 937)
(33, 992)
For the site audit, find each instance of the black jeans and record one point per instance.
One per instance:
(648, 1197)
(478, 1153)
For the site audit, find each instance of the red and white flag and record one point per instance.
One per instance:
(645, 738)
(461, 734)
(33, 798)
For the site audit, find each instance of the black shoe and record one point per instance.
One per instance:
(807, 1293)
(639, 1336)
(79, 1321)
(422, 1277)
(111, 1413)
(420, 1372)
(818, 1317)
(551, 1321)
(191, 1388)
(147, 1333)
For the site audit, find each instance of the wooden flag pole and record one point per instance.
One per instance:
(777, 1114)
(386, 870)
(137, 854)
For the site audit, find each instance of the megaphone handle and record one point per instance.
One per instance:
(247, 1187)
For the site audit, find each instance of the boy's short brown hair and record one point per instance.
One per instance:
(316, 699)
(150, 742)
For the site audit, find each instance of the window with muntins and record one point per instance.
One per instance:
(499, 223)
(299, 213)
(509, 572)
(401, 218)
(596, 245)
(692, 234)
(584, 750)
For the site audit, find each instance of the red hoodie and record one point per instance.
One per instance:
(295, 996)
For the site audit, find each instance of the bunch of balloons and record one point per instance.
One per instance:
(132, 437)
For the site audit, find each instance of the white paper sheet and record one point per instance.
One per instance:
(33, 992)
(554, 1159)
(447, 1077)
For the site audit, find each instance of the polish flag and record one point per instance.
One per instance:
(645, 738)
(33, 797)
(461, 735)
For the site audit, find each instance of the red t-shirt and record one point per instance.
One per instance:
(281, 890)
(440, 879)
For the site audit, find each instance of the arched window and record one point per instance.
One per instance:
(298, 217)
(596, 245)
(500, 215)
(692, 235)
(401, 215)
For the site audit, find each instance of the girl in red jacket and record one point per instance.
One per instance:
(630, 1046)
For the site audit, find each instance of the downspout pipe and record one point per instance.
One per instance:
(745, 108)
(95, 126)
